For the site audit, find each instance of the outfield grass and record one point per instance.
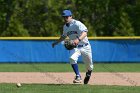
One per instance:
(52, 88)
(42, 67)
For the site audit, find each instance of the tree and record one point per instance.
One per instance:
(15, 28)
(124, 27)
(43, 17)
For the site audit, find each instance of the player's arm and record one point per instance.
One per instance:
(58, 41)
(83, 29)
(81, 37)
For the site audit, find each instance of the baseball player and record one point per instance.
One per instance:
(77, 32)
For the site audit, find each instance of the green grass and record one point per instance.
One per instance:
(56, 88)
(60, 88)
(58, 67)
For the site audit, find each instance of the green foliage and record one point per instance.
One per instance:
(43, 17)
(124, 27)
(15, 28)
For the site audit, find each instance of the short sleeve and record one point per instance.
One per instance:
(82, 27)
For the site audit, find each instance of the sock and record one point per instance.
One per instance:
(75, 68)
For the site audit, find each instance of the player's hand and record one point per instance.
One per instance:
(76, 41)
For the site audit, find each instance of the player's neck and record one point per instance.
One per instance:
(69, 21)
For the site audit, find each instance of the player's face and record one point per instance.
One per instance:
(67, 19)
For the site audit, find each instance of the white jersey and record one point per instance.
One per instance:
(74, 30)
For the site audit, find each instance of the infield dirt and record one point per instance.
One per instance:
(97, 78)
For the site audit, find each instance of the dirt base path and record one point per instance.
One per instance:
(105, 78)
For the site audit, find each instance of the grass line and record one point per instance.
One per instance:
(58, 67)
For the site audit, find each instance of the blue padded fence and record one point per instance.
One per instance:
(42, 51)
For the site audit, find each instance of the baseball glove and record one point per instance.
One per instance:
(69, 44)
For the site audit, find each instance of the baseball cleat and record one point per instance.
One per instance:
(77, 79)
(87, 77)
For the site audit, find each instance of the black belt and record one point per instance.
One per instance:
(83, 45)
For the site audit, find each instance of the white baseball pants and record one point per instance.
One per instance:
(86, 54)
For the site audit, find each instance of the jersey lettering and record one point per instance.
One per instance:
(72, 32)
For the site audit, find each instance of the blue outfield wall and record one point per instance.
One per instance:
(42, 51)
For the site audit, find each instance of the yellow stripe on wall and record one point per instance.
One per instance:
(132, 37)
(28, 38)
(54, 38)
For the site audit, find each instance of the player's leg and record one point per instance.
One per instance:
(87, 59)
(74, 54)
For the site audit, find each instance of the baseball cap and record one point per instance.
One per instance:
(66, 13)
